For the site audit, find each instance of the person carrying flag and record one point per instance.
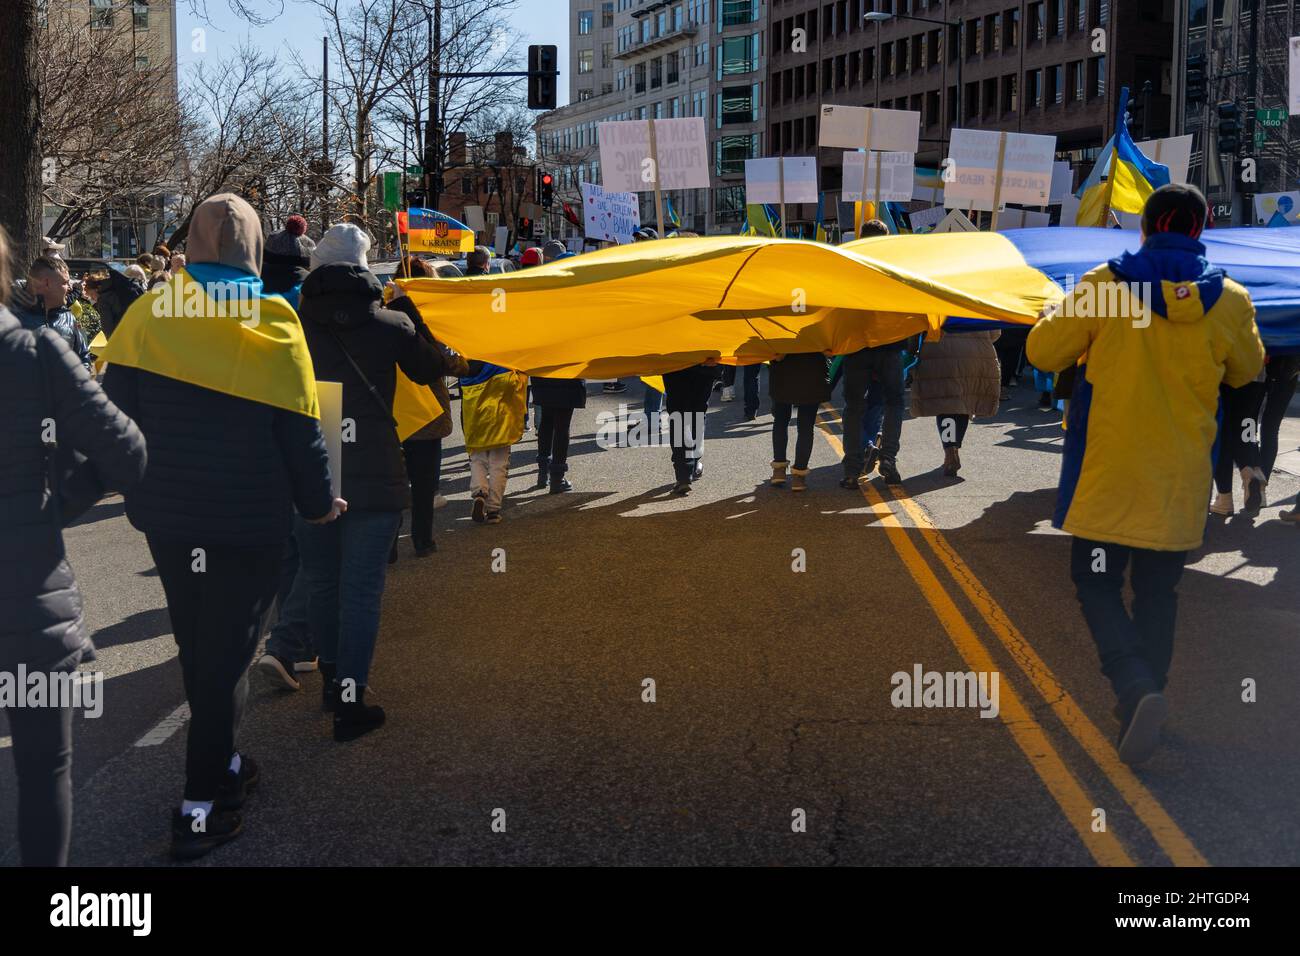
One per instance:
(1140, 431)
(226, 400)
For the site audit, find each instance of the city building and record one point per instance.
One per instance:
(1228, 44)
(497, 176)
(666, 59)
(141, 33)
(1051, 67)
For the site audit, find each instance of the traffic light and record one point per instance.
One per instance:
(545, 190)
(542, 71)
(1195, 84)
(1229, 128)
(525, 227)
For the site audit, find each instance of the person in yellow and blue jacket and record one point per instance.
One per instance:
(493, 402)
(1157, 332)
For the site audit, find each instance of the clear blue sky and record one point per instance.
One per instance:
(540, 21)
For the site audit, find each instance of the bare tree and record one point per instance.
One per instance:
(20, 129)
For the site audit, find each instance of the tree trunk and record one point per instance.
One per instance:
(20, 129)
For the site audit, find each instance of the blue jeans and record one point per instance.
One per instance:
(290, 638)
(652, 402)
(345, 562)
(872, 375)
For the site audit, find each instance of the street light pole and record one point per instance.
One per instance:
(879, 17)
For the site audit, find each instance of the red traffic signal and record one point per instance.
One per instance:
(545, 190)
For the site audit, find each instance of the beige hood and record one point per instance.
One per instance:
(225, 230)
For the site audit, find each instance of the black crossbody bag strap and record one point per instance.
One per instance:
(362, 375)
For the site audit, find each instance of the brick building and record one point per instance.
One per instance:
(1050, 67)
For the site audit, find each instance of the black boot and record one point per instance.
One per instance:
(543, 470)
(356, 717)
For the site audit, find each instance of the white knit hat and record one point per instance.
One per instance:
(345, 244)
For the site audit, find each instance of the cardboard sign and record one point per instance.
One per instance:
(896, 175)
(1293, 93)
(1062, 180)
(474, 219)
(764, 179)
(502, 237)
(927, 219)
(609, 217)
(1277, 209)
(1174, 152)
(1022, 219)
(329, 397)
(1025, 161)
(955, 221)
(627, 166)
(864, 127)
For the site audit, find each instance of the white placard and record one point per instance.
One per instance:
(892, 131)
(1069, 209)
(329, 398)
(625, 162)
(1174, 152)
(609, 217)
(931, 194)
(926, 219)
(474, 219)
(955, 221)
(503, 237)
(1022, 219)
(1293, 97)
(763, 180)
(896, 175)
(1062, 180)
(1277, 209)
(1026, 169)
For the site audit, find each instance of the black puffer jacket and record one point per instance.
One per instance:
(800, 379)
(41, 623)
(341, 309)
(222, 470)
(115, 299)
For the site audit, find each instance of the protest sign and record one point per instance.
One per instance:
(609, 217)
(783, 179)
(1062, 180)
(955, 221)
(1174, 152)
(1277, 209)
(878, 177)
(990, 168)
(329, 397)
(925, 220)
(861, 127)
(1022, 219)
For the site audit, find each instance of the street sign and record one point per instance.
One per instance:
(1274, 117)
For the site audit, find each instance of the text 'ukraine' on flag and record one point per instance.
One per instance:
(427, 230)
(1122, 178)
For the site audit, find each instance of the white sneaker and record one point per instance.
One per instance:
(1222, 504)
(439, 501)
(729, 393)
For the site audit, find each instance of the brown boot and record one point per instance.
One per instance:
(800, 480)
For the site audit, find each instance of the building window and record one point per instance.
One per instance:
(734, 13)
(584, 22)
(586, 60)
(737, 55)
(656, 73)
(1010, 94)
(638, 83)
(1076, 69)
(141, 62)
(1037, 23)
(101, 14)
(1010, 29)
(1034, 88)
(932, 117)
(606, 55)
(736, 104)
(730, 153)
(1056, 19)
(140, 14)
(993, 33)
(974, 37)
(1097, 76)
(606, 15)
(1056, 84)
(1080, 18)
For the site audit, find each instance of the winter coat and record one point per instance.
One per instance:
(284, 275)
(688, 389)
(1142, 418)
(113, 301)
(341, 309)
(223, 470)
(559, 392)
(453, 363)
(800, 379)
(493, 402)
(60, 320)
(41, 622)
(957, 375)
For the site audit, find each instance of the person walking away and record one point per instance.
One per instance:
(422, 451)
(1280, 373)
(42, 627)
(799, 382)
(1239, 435)
(47, 306)
(686, 397)
(355, 341)
(1140, 429)
(287, 259)
(227, 405)
(112, 294)
(956, 379)
(492, 408)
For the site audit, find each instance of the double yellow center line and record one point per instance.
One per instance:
(1033, 741)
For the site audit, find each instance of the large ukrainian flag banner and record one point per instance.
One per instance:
(1122, 178)
(213, 326)
(654, 307)
(427, 230)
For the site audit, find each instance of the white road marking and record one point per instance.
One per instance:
(166, 727)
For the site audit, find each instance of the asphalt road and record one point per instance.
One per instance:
(518, 694)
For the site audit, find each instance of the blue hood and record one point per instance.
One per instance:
(1178, 261)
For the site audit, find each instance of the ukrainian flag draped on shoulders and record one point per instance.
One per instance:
(493, 404)
(1122, 178)
(213, 326)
